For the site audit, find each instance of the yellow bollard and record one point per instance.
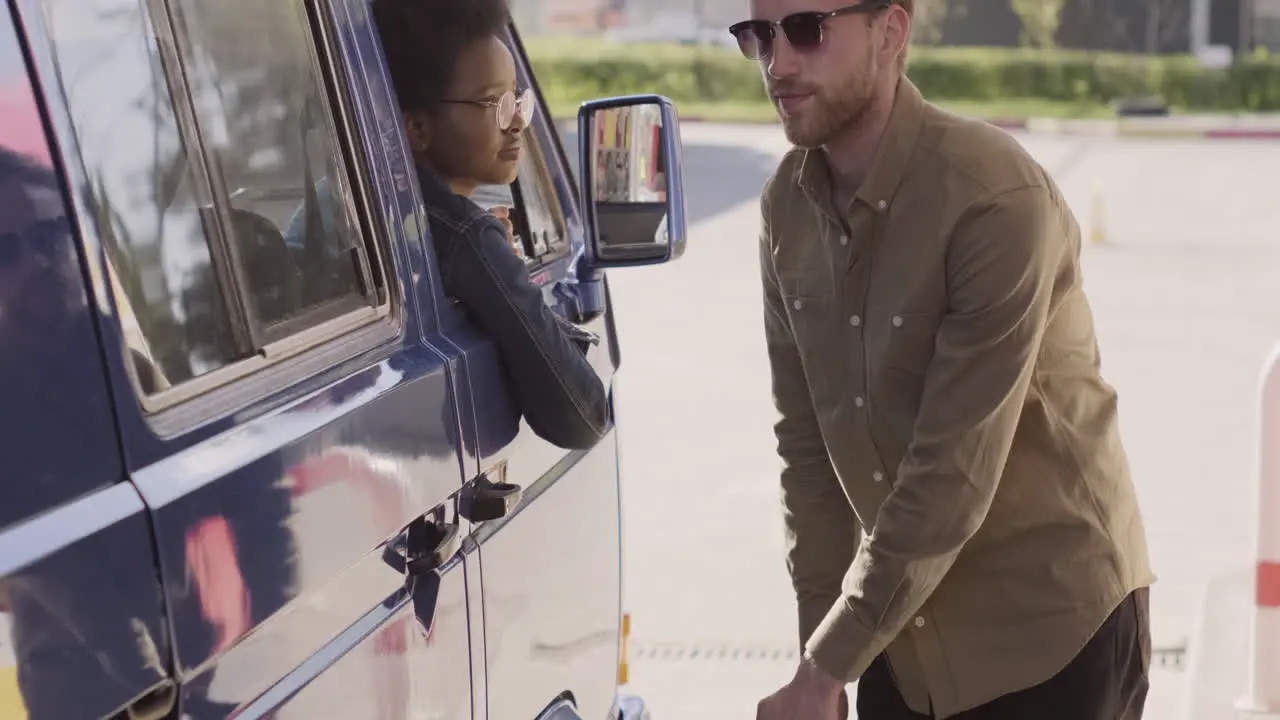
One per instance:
(11, 705)
(1097, 221)
(624, 659)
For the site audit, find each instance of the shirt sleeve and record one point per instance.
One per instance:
(558, 392)
(1003, 259)
(821, 528)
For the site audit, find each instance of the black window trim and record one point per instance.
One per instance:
(540, 263)
(536, 262)
(282, 354)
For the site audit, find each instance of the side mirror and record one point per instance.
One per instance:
(633, 192)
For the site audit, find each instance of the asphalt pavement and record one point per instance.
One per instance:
(1184, 286)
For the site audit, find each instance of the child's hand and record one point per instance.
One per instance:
(504, 214)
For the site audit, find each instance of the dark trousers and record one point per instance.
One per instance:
(1106, 681)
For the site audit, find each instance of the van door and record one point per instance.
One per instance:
(82, 631)
(551, 568)
(282, 409)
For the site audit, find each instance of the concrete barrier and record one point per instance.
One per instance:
(1218, 668)
(1263, 697)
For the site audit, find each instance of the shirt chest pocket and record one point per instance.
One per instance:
(906, 342)
(809, 313)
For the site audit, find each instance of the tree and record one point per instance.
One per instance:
(1040, 19)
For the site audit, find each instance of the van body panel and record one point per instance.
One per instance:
(82, 627)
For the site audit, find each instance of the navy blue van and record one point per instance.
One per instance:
(212, 510)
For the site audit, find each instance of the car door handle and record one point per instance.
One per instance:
(484, 500)
(421, 554)
(156, 704)
(562, 709)
(426, 545)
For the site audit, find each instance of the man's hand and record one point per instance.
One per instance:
(811, 695)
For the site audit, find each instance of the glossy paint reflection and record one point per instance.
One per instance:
(311, 492)
(81, 629)
(551, 589)
(50, 380)
(87, 636)
(402, 671)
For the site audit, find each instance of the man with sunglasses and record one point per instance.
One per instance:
(963, 534)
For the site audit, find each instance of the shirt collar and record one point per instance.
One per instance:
(891, 160)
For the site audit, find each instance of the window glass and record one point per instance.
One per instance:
(223, 200)
(136, 164)
(537, 217)
(541, 207)
(264, 118)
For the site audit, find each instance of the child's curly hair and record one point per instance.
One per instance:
(423, 39)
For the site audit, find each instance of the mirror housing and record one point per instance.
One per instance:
(632, 189)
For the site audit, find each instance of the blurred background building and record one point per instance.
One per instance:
(1147, 26)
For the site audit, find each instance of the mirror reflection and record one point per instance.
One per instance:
(629, 158)
(629, 185)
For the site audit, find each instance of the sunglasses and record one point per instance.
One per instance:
(509, 106)
(803, 30)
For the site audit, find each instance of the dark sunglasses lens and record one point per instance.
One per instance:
(804, 30)
(755, 38)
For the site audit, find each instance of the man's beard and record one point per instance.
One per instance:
(834, 111)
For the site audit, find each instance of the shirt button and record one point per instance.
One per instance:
(897, 321)
(882, 204)
(855, 321)
(877, 476)
(919, 622)
(858, 401)
(844, 239)
(797, 304)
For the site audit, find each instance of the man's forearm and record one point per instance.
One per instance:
(822, 535)
(822, 529)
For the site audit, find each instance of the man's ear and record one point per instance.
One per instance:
(897, 31)
(418, 127)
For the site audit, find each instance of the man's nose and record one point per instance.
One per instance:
(784, 62)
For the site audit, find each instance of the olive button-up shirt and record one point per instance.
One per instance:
(955, 490)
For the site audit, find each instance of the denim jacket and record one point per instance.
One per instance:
(554, 386)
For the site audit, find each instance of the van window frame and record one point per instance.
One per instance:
(283, 354)
(542, 171)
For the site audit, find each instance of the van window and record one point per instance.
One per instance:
(225, 195)
(272, 151)
(542, 209)
(537, 215)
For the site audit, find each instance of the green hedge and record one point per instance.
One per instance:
(579, 69)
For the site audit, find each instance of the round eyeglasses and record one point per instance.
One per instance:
(507, 107)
